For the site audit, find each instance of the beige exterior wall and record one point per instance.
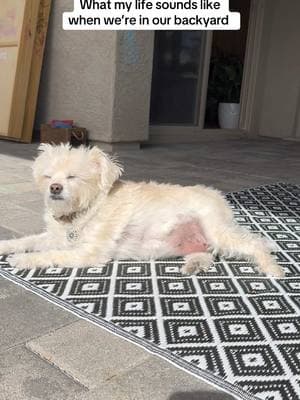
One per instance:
(277, 111)
(133, 86)
(101, 79)
(77, 79)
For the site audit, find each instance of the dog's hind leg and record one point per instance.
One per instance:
(197, 262)
(235, 241)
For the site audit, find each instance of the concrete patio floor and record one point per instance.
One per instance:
(47, 353)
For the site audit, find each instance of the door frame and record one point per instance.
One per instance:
(30, 49)
(191, 134)
(251, 65)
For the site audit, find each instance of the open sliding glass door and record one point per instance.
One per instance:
(179, 83)
(196, 73)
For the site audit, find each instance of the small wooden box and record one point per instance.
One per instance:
(76, 135)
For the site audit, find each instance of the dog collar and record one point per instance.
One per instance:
(71, 234)
(67, 219)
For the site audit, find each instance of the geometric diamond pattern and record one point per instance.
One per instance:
(183, 286)
(253, 360)
(89, 287)
(219, 306)
(91, 305)
(238, 330)
(257, 286)
(271, 305)
(230, 325)
(189, 331)
(54, 286)
(291, 353)
(283, 328)
(145, 329)
(133, 287)
(270, 390)
(181, 306)
(217, 286)
(206, 358)
(133, 307)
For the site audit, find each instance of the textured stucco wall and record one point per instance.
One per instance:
(133, 85)
(101, 79)
(278, 85)
(77, 77)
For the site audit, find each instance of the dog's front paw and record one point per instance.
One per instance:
(5, 247)
(22, 261)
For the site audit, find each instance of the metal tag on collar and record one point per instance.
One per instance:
(72, 235)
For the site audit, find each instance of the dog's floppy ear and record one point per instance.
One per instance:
(108, 168)
(44, 153)
(49, 148)
(44, 148)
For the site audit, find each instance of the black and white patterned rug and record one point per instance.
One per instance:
(231, 326)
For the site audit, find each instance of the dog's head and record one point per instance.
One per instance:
(71, 178)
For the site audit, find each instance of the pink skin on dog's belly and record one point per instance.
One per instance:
(187, 238)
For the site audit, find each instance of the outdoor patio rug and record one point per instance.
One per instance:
(231, 326)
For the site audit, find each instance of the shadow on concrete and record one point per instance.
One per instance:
(19, 150)
(200, 395)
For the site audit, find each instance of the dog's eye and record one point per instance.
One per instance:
(71, 177)
(47, 176)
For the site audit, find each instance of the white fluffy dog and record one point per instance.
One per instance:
(93, 217)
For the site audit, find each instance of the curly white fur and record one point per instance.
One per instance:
(99, 217)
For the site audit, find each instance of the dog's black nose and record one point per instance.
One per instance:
(56, 188)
